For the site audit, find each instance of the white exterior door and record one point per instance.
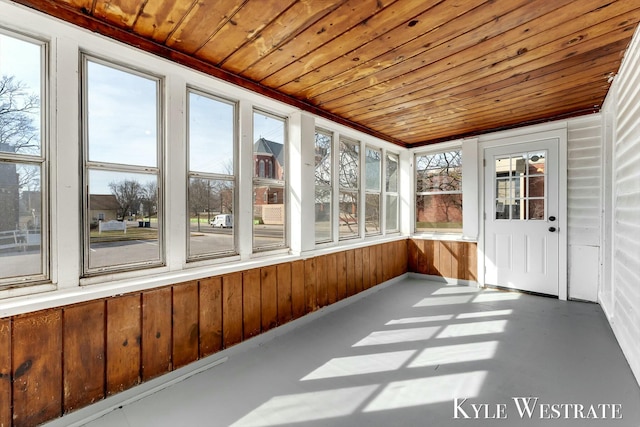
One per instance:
(521, 224)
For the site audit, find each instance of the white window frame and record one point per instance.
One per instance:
(42, 161)
(283, 183)
(213, 176)
(444, 148)
(329, 186)
(379, 192)
(88, 165)
(357, 193)
(387, 193)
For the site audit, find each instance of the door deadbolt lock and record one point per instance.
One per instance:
(552, 218)
(552, 229)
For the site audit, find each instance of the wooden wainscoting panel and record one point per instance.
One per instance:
(444, 261)
(185, 323)
(366, 268)
(341, 269)
(297, 289)
(123, 342)
(380, 260)
(37, 367)
(210, 316)
(459, 260)
(156, 332)
(472, 262)
(357, 259)
(83, 338)
(285, 308)
(322, 289)
(232, 309)
(251, 302)
(351, 272)
(310, 285)
(5, 372)
(414, 255)
(269, 297)
(373, 266)
(332, 278)
(432, 257)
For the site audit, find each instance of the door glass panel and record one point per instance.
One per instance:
(537, 162)
(536, 209)
(502, 210)
(515, 188)
(536, 186)
(503, 167)
(502, 188)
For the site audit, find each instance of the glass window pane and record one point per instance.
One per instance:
(536, 209)
(537, 162)
(536, 186)
(268, 216)
(392, 212)
(20, 220)
(439, 212)
(373, 159)
(503, 188)
(123, 218)
(392, 173)
(323, 214)
(122, 115)
(20, 96)
(372, 213)
(348, 222)
(211, 135)
(502, 209)
(211, 216)
(348, 164)
(323, 159)
(268, 146)
(439, 172)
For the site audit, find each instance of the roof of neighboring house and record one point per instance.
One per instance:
(270, 147)
(105, 202)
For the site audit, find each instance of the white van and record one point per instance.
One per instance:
(222, 221)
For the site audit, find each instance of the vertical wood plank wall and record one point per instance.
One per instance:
(58, 360)
(55, 361)
(455, 260)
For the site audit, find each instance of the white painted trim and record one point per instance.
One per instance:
(217, 360)
(470, 190)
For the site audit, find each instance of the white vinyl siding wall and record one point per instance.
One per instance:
(584, 172)
(621, 298)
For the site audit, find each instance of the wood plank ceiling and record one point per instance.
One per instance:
(413, 72)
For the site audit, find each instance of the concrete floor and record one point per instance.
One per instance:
(400, 356)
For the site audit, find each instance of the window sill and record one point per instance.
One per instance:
(450, 237)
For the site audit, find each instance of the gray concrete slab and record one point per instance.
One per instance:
(404, 356)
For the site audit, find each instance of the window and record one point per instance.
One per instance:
(323, 184)
(269, 209)
(439, 192)
(391, 191)
(211, 193)
(520, 186)
(349, 183)
(373, 172)
(23, 166)
(122, 173)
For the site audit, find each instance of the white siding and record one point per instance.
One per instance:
(621, 300)
(584, 171)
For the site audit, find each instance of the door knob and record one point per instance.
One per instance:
(552, 229)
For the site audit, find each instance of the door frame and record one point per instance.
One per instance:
(517, 137)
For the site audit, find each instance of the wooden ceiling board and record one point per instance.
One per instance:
(376, 25)
(122, 13)
(412, 72)
(463, 55)
(408, 42)
(200, 23)
(509, 77)
(243, 28)
(160, 18)
(282, 30)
